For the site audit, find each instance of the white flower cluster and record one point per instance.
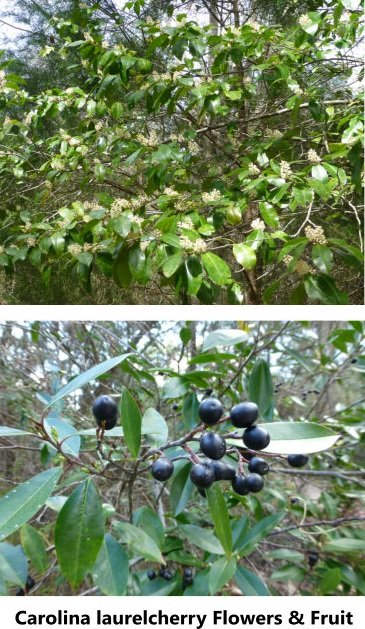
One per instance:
(297, 90)
(253, 24)
(303, 268)
(258, 224)
(144, 244)
(313, 157)
(177, 137)
(316, 234)
(137, 220)
(87, 246)
(253, 169)
(185, 223)
(287, 259)
(214, 195)
(197, 246)
(99, 125)
(275, 134)
(48, 184)
(193, 147)
(247, 80)
(74, 142)
(31, 242)
(304, 21)
(58, 164)
(170, 192)
(91, 206)
(88, 37)
(118, 206)
(74, 249)
(2, 79)
(151, 140)
(285, 170)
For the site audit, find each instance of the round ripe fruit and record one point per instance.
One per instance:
(162, 469)
(258, 466)
(256, 438)
(210, 411)
(187, 581)
(167, 575)
(254, 483)
(212, 445)
(151, 575)
(30, 583)
(20, 592)
(105, 411)
(202, 475)
(297, 460)
(223, 471)
(239, 485)
(188, 573)
(244, 414)
(313, 558)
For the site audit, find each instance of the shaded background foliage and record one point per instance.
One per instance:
(312, 371)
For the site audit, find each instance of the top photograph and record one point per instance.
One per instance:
(171, 152)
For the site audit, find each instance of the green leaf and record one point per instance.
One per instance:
(217, 269)
(110, 571)
(330, 580)
(250, 583)
(174, 388)
(141, 542)
(181, 489)
(319, 173)
(224, 337)
(148, 520)
(21, 503)
(220, 516)
(244, 255)
(79, 532)
(190, 410)
(221, 573)
(322, 288)
(202, 538)
(322, 257)
(34, 547)
(13, 564)
(67, 435)
(155, 428)
(88, 376)
(269, 214)
(258, 532)
(131, 422)
(299, 437)
(5, 431)
(260, 388)
(344, 545)
(171, 265)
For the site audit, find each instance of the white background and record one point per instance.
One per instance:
(185, 605)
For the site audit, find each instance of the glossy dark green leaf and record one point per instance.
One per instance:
(13, 565)
(221, 572)
(155, 428)
(79, 532)
(181, 489)
(142, 543)
(217, 269)
(220, 516)
(250, 583)
(88, 376)
(110, 571)
(260, 388)
(131, 422)
(244, 255)
(202, 538)
(34, 547)
(148, 520)
(22, 502)
(258, 532)
(226, 337)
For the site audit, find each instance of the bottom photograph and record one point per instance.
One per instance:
(182, 458)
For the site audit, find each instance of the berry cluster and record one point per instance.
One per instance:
(213, 446)
(28, 586)
(167, 574)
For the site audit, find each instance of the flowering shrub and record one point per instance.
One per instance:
(175, 177)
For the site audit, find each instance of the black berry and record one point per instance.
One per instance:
(212, 445)
(258, 466)
(167, 575)
(254, 483)
(210, 411)
(202, 492)
(239, 485)
(202, 475)
(188, 572)
(151, 575)
(297, 460)
(223, 471)
(175, 407)
(244, 414)
(20, 592)
(256, 438)
(312, 558)
(105, 411)
(30, 583)
(162, 469)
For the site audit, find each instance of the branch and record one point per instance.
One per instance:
(308, 525)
